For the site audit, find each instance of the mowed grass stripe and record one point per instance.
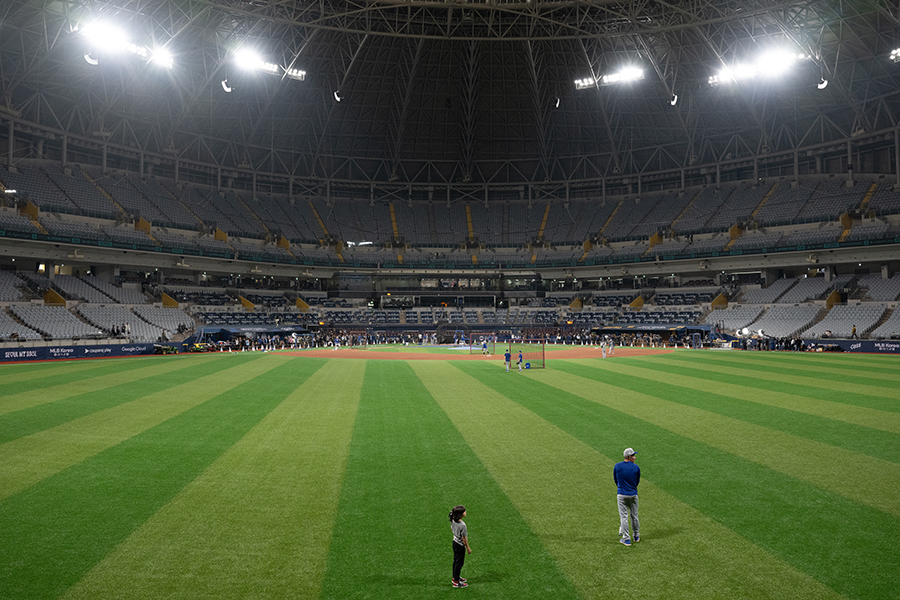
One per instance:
(795, 398)
(49, 414)
(825, 466)
(74, 383)
(820, 362)
(56, 531)
(21, 377)
(789, 375)
(564, 489)
(257, 523)
(681, 362)
(880, 437)
(27, 460)
(408, 466)
(841, 543)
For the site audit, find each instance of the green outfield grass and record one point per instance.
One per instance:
(764, 476)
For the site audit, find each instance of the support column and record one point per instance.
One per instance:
(897, 156)
(755, 170)
(718, 175)
(103, 159)
(63, 159)
(682, 180)
(849, 164)
(176, 170)
(10, 143)
(796, 165)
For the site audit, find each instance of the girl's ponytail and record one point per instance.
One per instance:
(456, 512)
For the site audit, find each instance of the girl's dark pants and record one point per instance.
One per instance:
(459, 557)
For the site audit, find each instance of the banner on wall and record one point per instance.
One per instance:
(64, 352)
(872, 346)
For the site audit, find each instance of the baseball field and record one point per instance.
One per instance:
(330, 475)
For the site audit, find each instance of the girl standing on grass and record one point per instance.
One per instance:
(460, 544)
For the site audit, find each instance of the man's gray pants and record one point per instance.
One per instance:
(628, 507)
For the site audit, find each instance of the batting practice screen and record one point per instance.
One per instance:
(533, 352)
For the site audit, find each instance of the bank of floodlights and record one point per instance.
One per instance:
(768, 66)
(251, 61)
(624, 75)
(895, 55)
(105, 40)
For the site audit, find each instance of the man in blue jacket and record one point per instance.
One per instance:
(627, 476)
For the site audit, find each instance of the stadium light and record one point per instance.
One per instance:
(163, 58)
(769, 65)
(226, 87)
(674, 99)
(296, 74)
(250, 60)
(583, 84)
(105, 36)
(106, 39)
(823, 83)
(247, 59)
(625, 75)
(895, 55)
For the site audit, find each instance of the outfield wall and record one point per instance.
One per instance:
(874, 346)
(25, 354)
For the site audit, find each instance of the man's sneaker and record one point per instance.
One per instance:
(637, 538)
(460, 584)
(625, 542)
(461, 580)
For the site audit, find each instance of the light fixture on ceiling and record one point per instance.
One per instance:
(624, 75)
(583, 84)
(106, 39)
(337, 95)
(769, 65)
(895, 55)
(163, 58)
(295, 74)
(674, 99)
(226, 87)
(823, 83)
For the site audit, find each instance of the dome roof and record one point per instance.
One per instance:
(453, 91)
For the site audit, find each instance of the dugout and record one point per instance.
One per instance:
(664, 330)
(218, 333)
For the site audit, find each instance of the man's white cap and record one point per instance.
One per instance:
(629, 452)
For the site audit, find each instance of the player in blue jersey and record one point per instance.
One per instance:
(627, 476)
